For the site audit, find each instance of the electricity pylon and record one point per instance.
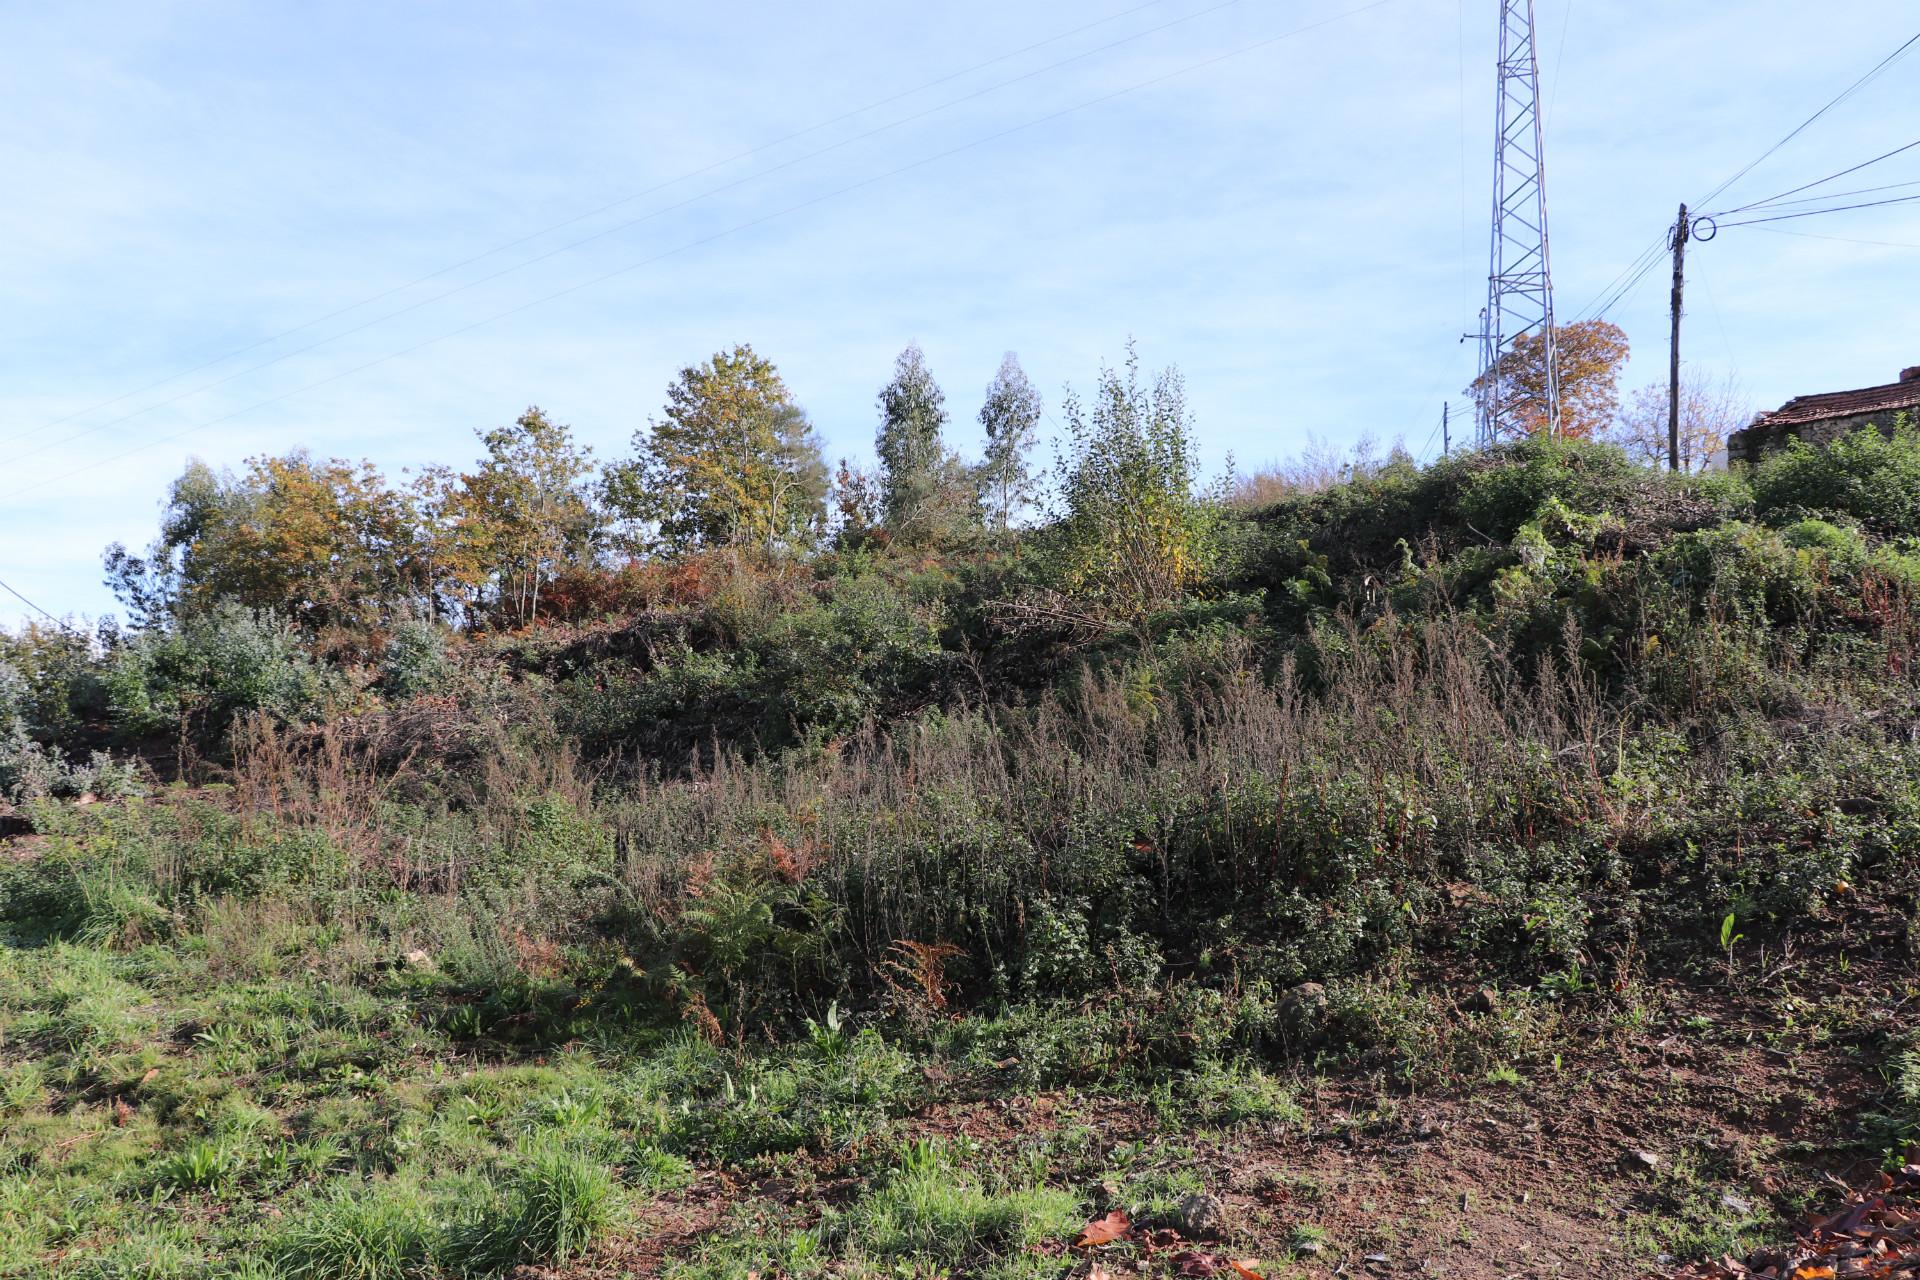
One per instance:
(1520, 276)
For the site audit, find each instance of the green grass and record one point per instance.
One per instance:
(1536, 723)
(357, 1232)
(928, 1215)
(943, 1219)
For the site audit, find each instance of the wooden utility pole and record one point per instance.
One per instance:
(1446, 430)
(1680, 231)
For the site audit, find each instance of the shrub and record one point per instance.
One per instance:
(415, 660)
(1135, 537)
(30, 770)
(1871, 477)
(211, 668)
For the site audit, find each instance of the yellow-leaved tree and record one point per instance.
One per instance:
(326, 544)
(1710, 411)
(732, 462)
(504, 530)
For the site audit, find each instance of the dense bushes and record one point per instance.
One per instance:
(209, 669)
(457, 947)
(1867, 476)
(1423, 788)
(1518, 704)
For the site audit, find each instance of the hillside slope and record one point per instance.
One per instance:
(1506, 867)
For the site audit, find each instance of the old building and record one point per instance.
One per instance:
(1823, 419)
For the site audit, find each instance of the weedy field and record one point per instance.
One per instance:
(269, 1094)
(1505, 868)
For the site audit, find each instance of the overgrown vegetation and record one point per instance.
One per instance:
(443, 921)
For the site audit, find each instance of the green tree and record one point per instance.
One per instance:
(732, 462)
(924, 493)
(521, 516)
(1135, 536)
(327, 545)
(1011, 418)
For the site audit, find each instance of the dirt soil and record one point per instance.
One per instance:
(1726, 1118)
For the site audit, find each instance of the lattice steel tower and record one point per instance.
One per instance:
(1520, 277)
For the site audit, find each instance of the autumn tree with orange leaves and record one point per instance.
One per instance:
(1592, 354)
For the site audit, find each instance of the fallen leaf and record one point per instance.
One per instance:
(1114, 1226)
(1813, 1273)
(1245, 1269)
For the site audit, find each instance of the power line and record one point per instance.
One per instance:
(1765, 205)
(1426, 450)
(1808, 123)
(1719, 321)
(1628, 280)
(976, 143)
(1559, 61)
(602, 234)
(1624, 283)
(1813, 235)
(1823, 181)
(8, 588)
(1814, 213)
(591, 213)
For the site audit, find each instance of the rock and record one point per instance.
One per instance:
(1308, 1248)
(1303, 1010)
(1483, 1000)
(1201, 1215)
(1641, 1161)
(1736, 1203)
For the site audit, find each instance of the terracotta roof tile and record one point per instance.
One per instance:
(1895, 397)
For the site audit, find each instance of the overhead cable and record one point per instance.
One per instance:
(1814, 235)
(763, 219)
(9, 589)
(1808, 123)
(1814, 213)
(602, 234)
(1821, 182)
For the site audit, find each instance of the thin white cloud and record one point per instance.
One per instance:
(1286, 226)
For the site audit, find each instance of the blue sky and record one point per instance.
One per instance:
(1301, 227)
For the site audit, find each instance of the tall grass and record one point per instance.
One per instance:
(1201, 808)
